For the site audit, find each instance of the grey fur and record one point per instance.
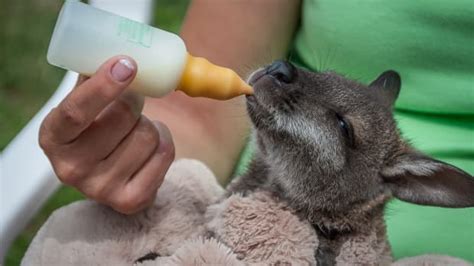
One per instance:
(341, 185)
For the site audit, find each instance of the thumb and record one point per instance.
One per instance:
(122, 70)
(113, 76)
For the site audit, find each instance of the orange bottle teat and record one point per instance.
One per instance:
(201, 78)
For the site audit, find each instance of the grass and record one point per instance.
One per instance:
(27, 82)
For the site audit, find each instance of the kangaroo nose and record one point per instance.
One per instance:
(282, 70)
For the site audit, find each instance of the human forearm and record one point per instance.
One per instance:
(242, 35)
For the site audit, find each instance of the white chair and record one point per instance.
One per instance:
(26, 176)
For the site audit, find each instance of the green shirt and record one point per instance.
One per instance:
(430, 43)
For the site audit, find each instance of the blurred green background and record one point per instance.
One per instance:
(27, 81)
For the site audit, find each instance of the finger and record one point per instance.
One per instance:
(126, 159)
(140, 191)
(109, 129)
(79, 109)
(153, 172)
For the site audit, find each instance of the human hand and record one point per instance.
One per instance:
(99, 142)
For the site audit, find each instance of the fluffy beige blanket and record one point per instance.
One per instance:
(191, 223)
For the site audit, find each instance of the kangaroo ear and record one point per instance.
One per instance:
(421, 180)
(387, 85)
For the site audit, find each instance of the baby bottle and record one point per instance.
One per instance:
(84, 37)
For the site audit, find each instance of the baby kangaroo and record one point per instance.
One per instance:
(330, 148)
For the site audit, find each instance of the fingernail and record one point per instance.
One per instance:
(166, 141)
(134, 100)
(122, 70)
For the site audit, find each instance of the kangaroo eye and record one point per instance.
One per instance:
(346, 129)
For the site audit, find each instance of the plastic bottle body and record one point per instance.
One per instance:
(84, 37)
